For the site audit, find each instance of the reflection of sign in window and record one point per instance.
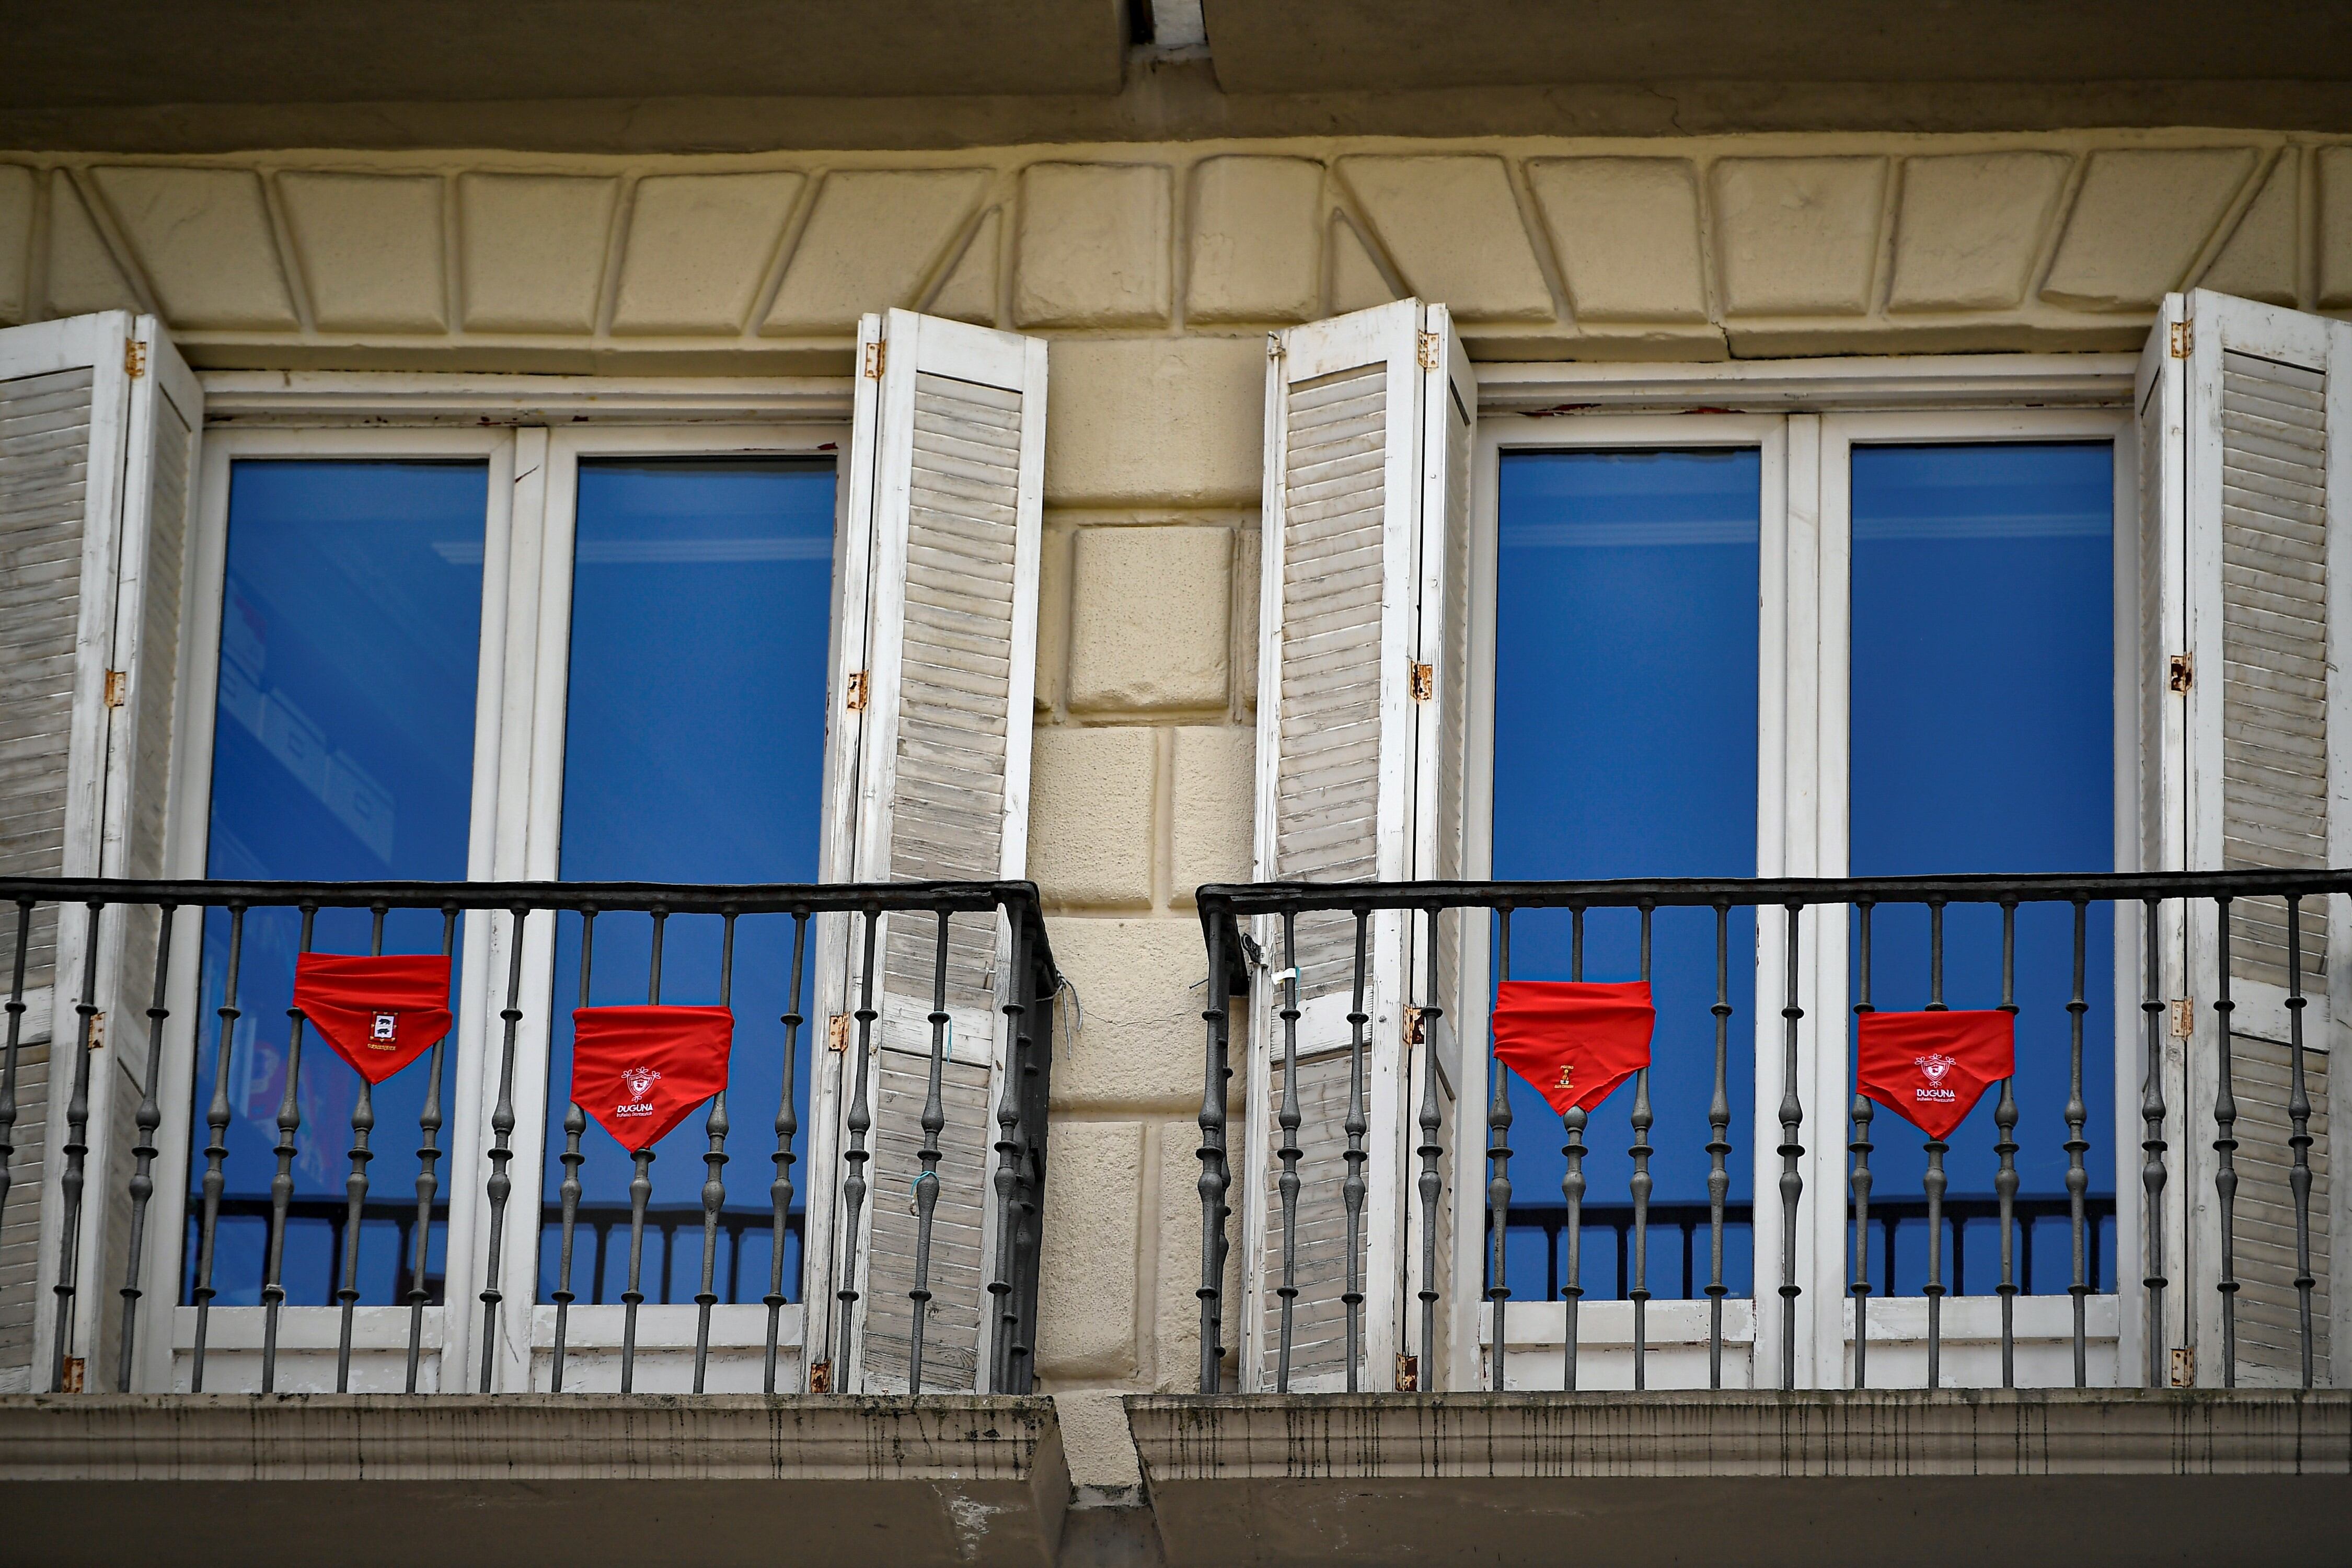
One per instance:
(347, 789)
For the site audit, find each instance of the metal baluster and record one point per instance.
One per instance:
(1571, 1180)
(1287, 1182)
(1935, 1181)
(2298, 1110)
(927, 1183)
(714, 1164)
(1499, 1178)
(1354, 1187)
(428, 1155)
(859, 1122)
(1791, 1152)
(2078, 1178)
(143, 1179)
(1034, 1051)
(2225, 1145)
(2004, 1181)
(503, 1125)
(282, 1185)
(1718, 1145)
(641, 1191)
(1004, 1283)
(355, 1186)
(1212, 1186)
(216, 1119)
(2152, 1148)
(1432, 1151)
(77, 1151)
(8, 1060)
(1859, 1149)
(1643, 1120)
(575, 1123)
(788, 1126)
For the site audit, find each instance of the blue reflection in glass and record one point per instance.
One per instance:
(694, 743)
(342, 749)
(1983, 741)
(1625, 731)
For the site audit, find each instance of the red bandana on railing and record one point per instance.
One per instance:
(1931, 1068)
(1574, 1040)
(640, 1070)
(380, 1014)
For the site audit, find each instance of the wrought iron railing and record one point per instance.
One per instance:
(2277, 919)
(100, 912)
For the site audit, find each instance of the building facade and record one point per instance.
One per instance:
(596, 507)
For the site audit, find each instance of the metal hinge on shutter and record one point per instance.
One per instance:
(876, 355)
(134, 358)
(1424, 682)
(856, 699)
(820, 1377)
(2184, 1017)
(1408, 1374)
(118, 687)
(1425, 350)
(1413, 1030)
(2181, 672)
(836, 1032)
(2184, 338)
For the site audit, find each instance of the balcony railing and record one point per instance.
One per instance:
(2214, 966)
(105, 1146)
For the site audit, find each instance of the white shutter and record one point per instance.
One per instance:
(1364, 666)
(927, 780)
(99, 424)
(2247, 465)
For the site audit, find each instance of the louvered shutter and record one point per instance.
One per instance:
(1363, 670)
(99, 424)
(929, 759)
(2247, 483)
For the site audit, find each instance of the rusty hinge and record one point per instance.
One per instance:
(2184, 338)
(134, 358)
(820, 1377)
(1408, 1378)
(836, 1032)
(72, 1382)
(2184, 1366)
(2184, 1017)
(98, 1031)
(1413, 1031)
(876, 355)
(2180, 672)
(1424, 682)
(856, 699)
(118, 687)
(1425, 350)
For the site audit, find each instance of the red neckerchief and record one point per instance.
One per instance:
(1931, 1068)
(380, 1014)
(640, 1070)
(1574, 1040)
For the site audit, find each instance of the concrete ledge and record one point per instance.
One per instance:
(1746, 1478)
(579, 1479)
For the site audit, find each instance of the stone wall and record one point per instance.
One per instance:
(1155, 269)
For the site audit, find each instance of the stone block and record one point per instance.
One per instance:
(371, 249)
(204, 240)
(1970, 229)
(1248, 585)
(1090, 814)
(1254, 252)
(1154, 421)
(1148, 619)
(1797, 235)
(968, 293)
(1087, 1287)
(1141, 1041)
(873, 240)
(15, 239)
(1626, 233)
(2138, 221)
(2257, 261)
(1212, 808)
(698, 251)
(1357, 281)
(531, 251)
(1093, 245)
(1452, 225)
(2335, 227)
(83, 275)
(1176, 1309)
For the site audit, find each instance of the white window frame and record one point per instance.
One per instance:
(1804, 417)
(514, 822)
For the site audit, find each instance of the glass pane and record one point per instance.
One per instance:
(1626, 746)
(694, 748)
(1984, 741)
(342, 749)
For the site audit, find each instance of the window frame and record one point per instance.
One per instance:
(1805, 417)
